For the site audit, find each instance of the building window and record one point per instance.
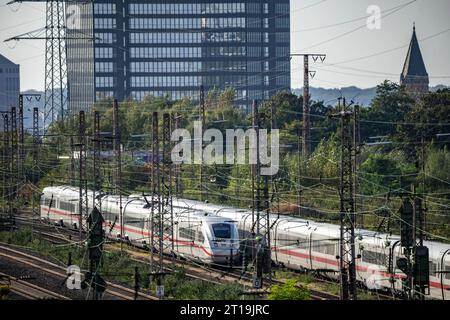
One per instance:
(166, 37)
(104, 23)
(104, 67)
(282, 37)
(104, 8)
(104, 94)
(107, 38)
(103, 53)
(283, 52)
(166, 67)
(166, 23)
(104, 82)
(186, 8)
(165, 81)
(163, 52)
(282, 23)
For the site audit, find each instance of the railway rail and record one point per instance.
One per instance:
(28, 290)
(31, 261)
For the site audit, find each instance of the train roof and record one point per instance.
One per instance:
(64, 192)
(302, 226)
(295, 225)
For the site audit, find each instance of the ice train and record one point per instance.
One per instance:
(304, 244)
(215, 234)
(197, 234)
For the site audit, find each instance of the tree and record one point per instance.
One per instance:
(427, 118)
(383, 171)
(391, 104)
(437, 169)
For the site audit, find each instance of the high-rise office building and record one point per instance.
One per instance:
(9, 84)
(171, 47)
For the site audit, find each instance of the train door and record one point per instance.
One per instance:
(200, 239)
(275, 242)
(444, 276)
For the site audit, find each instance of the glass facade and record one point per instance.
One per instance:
(171, 47)
(9, 85)
(80, 56)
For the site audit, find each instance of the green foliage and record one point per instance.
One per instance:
(427, 118)
(437, 168)
(4, 292)
(312, 180)
(179, 288)
(324, 161)
(289, 291)
(382, 172)
(391, 104)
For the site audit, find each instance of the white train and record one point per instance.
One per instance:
(296, 243)
(197, 234)
(303, 244)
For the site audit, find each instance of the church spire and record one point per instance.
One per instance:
(414, 75)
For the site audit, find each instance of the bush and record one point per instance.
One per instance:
(289, 291)
(4, 292)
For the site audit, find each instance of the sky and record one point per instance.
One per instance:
(356, 54)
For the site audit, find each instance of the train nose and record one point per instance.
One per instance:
(224, 256)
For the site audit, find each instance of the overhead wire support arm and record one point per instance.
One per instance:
(55, 34)
(307, 73)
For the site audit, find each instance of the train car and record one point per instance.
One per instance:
(301, 244)
(60, 206)
(196, 234)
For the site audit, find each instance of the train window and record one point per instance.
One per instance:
(46, 202)
(138, 223)
(323, 246)
(67, 206)
(186, 233)
(222, 230)
(373, 257)
(447, 275)
(299, 242)
(200, 237)
(285, 240)
(106, 215)
(433, 268)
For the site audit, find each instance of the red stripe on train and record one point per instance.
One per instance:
(144, 233)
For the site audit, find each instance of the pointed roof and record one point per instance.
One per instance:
(4, 60)
(414, 65)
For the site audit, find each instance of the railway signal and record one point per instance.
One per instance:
(95, 242)
(415, 262)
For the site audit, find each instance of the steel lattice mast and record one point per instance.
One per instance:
(55, 35)
(347, 259)
(261, 212)
(55, 62)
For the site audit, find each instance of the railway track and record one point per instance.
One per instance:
(28, 290)
(31, 261)
(210, 274)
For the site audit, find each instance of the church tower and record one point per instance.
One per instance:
(414, 75)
